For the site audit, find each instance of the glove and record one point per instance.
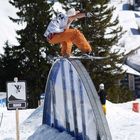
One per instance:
(89, 14)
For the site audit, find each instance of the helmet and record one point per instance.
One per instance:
(71, 12)
(101, 86)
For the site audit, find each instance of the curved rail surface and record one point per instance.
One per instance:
(72, 103)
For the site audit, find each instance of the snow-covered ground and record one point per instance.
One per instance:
(123, 122)
(29, 120)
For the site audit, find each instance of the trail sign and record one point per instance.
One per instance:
(16, 95)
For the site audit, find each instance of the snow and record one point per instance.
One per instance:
(123, 122)
(129, 21)
(130, 70)
(132, 35)
(29, 120)
(130, 42)
(50, 133)
(135, 55)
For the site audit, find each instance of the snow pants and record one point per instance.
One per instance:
(68, 38)
(104, 109)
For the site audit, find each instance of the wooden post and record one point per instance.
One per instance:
(17, 124)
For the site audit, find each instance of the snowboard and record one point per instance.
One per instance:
(88, 57)
(81, 57)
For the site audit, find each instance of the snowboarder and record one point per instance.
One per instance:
(58, 32)
(102, 95)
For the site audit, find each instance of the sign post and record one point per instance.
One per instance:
(16, 99)
(17, 124)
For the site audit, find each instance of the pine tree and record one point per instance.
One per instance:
(33, 48)
(103, 34)
(9, 66)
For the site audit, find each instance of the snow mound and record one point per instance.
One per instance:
(34, 124)
(31, 123)
(50, 133)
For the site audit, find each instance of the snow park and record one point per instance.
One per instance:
(53, 97)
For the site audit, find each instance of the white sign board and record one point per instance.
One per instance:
(16, 95)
